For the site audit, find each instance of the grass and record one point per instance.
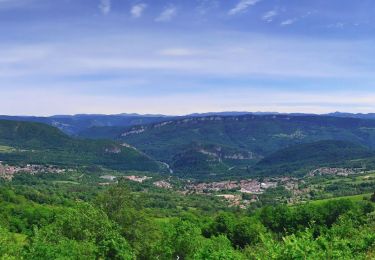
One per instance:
(6, 149)
(367, 177)
(352, 198)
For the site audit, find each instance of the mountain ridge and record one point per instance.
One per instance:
(38, 143)
(260, 135)
(74, 124)
(310, 156)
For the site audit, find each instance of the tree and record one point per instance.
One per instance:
(277, 218)
(223, 224)
(134, 224)
(186, 239)
(217, 248)
(10, 247)
(82, 231)
(247, 232)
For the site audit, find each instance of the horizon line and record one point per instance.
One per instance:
(190, 114)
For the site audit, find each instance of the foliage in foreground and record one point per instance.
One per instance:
(117, 224)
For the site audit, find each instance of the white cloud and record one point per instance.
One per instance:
(177, 52)
(105, 6)
(10, 4)
(137, 10)
(296, 19)
(338, 25)
(288, 22)
(205, 6)
(144, 80)
(232, 55)
(242, 6)
(167, 14)
(269, 16)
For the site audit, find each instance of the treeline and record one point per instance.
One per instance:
(117, 224)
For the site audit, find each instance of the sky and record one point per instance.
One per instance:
(183, 56)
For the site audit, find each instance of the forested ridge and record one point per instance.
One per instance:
(230, 145)
(42, 144)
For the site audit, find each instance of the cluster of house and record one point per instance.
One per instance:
(163, 184)
(7, 172)
(112, 179)
(332, 171)
(139, 179)
(251, 186)
(234, 200)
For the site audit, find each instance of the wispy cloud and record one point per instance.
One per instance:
(177, 52)
(242, 6)
(167, 14)
(114, 73)
(105, 6)
(338, 25)
(239, 55)
(296, 19)
(10, 4)
(269, 16)
(205, 6)
(289, 22)
(137, 10)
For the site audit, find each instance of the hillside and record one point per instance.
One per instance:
(75, 124)
(304, 157)
(239, 141)
(194, 146)
(42, 144)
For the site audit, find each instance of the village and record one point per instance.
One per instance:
(236, 192)
(232, 191)
(333, 171)
(140, 179)
(251, 186)
(7, 172)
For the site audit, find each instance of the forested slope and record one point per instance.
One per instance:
(216, 144)
(42, 144)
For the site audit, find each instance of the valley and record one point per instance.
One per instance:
(319, 184)
(220, 146)
(235, 184)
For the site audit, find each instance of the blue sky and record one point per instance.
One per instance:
(179, 57)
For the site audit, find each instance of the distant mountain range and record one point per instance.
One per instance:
(74, 124)
(359, 115)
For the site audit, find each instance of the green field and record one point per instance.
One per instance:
(6, 149)
(353, 198)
